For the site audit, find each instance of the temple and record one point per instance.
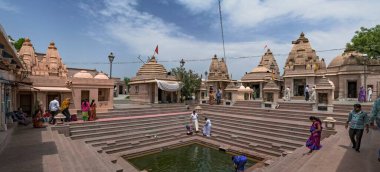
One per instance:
(350, 71)
(260, 75)
(49, 77)
(153, 84)
(303, 67)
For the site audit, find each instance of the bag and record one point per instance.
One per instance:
(74, 118)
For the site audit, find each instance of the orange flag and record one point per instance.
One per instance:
(156, 50)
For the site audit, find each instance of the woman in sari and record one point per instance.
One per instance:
(362, 94)
(65, 109)
(37, 116)
(313, 143)
(92, 111)
(85, 108)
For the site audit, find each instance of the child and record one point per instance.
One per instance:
(46, 116)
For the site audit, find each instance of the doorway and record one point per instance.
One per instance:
(352, 89)
(299, 87)
(26, 103)
(85, 94)
(256, 89)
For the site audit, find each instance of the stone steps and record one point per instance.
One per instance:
(296, 106)
(122, 130)
(346, 108)
(256, 104)
(292, 116)
(143, 112)
(263, 130)
(76, 156)
(132, 140)
(294, 128)
(118, 127)
(145, 144)
(100, 124)
(245, 145)
(267, 138)
(101, 141)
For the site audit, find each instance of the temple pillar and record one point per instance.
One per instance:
(155, 93)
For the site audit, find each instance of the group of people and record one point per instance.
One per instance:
(88, 110)
(357, 122)
(310, 94)
(363, 96)
(39, 118)
(194, 125)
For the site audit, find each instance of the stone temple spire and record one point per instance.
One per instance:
(28, 55)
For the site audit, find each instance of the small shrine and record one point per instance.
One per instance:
(271, 93)
(153, 84)
(231, 94)
(324, 95)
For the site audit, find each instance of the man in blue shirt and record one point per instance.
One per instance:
(239, 162)
(357, 120)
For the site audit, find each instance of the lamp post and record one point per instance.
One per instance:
(365, 62)
(110, 58)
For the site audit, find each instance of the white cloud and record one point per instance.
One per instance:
(140, 31)
(5, 6)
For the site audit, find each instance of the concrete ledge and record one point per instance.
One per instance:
(62, 129)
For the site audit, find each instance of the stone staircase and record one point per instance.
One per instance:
(127, 133)
(126, 112)
(77, 156)
(291, 115)
(248, 103)
(346, 108)
(304, 106)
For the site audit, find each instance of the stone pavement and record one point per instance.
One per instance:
(336, 155)
(27, 150)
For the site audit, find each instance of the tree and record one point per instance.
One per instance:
(18, 43)
(367, 41)
(191, 81)
(127, 80)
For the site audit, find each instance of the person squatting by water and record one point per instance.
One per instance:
(239, 162)
(314, 141)
(207, 128)
(357, 120)
(194, 120)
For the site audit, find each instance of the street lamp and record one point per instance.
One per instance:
(110, 58)
(365, 60)
(206, 73)
(182, 63)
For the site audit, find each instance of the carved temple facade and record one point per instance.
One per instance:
(49, 78)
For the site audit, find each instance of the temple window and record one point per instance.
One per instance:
(103, 94)
(269, 97)
(322, 98)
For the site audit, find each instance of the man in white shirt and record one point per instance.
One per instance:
(54, 109)
(194, 120)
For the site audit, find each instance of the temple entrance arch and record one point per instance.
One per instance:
(352, 89)
(299, 87)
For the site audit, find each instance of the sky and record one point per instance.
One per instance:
(86, 31)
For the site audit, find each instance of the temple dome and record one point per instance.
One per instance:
(83, 74)
(337, 61)
(101, 75)
(152, 68)
(260, 69)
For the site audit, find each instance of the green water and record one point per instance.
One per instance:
(191, 158)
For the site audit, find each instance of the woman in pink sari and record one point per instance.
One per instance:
(314, 141)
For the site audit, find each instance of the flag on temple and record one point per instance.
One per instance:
(266, 46)
(156, 50)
